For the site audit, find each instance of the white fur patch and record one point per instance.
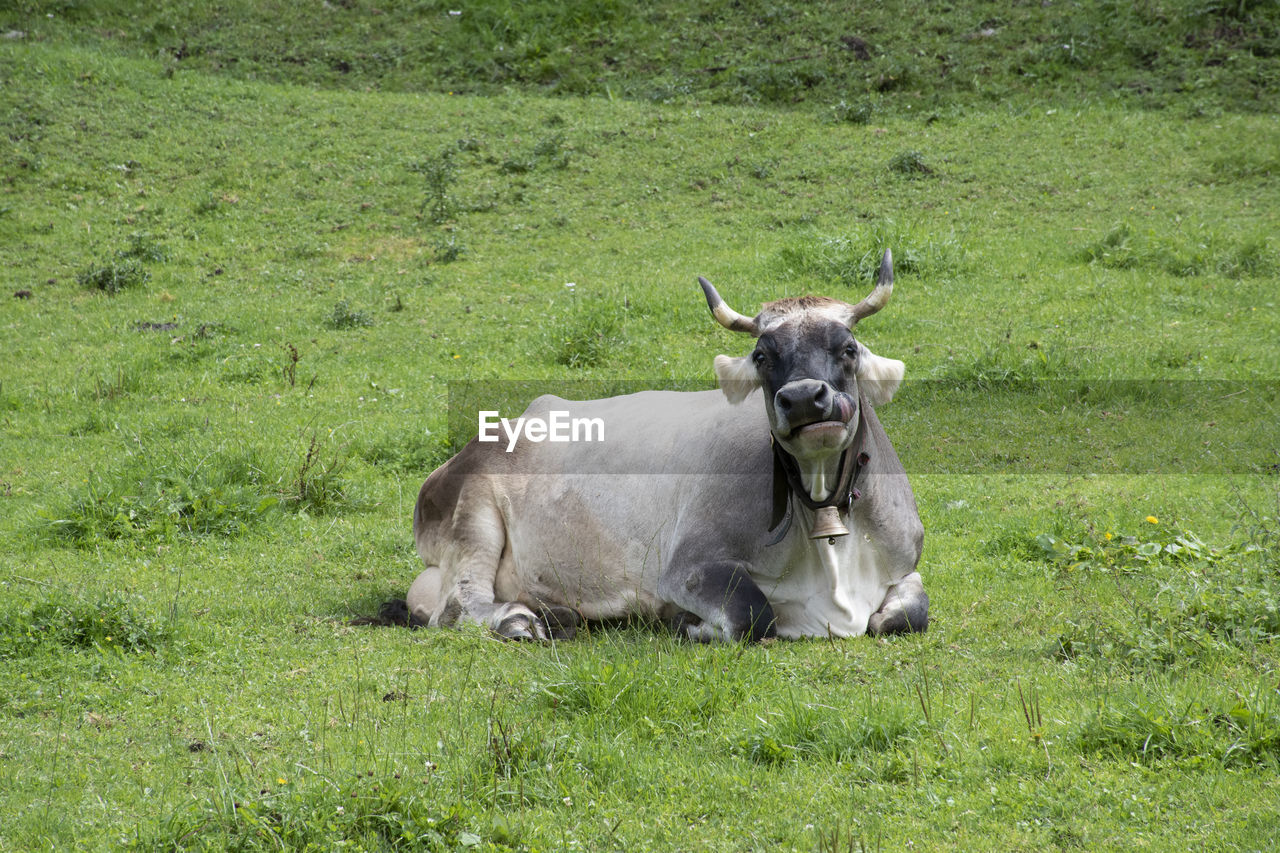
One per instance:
(737, 377)
(878, 377)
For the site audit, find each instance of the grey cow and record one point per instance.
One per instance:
(698, 509)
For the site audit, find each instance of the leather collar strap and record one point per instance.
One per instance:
(787, 484)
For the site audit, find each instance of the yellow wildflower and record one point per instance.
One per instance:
(1151, 519)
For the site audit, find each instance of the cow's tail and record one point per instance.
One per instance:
(393, 613)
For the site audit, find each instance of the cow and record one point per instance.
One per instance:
(725, 521)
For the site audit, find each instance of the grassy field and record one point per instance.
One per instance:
(241, 286)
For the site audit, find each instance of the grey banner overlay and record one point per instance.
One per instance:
(1027, 426)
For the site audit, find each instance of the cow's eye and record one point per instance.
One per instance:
(758, 358)
(851, 351)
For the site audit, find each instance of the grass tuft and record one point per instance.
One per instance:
(125, 269)
(803, 731)
(552, 151)
(588, 340)
(1003, 366)
(1245, 733)
(614, 683)
(143, 247)
(417, 452)
(343, 316)
(365, 812)
(216, 496)
(911, 164)
(858, 112)
(1258, 159)
(853, 259)
(112, 622)
(591, 331)
(1193, 603)
(114, 276)
(774, 83)
(1195, 253)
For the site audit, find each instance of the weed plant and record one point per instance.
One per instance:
(318, 486)
(448, 249)
(439, 174)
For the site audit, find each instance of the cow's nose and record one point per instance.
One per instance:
(804, 399)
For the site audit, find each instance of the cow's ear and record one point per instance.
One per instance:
(878, 377)
(737, 377)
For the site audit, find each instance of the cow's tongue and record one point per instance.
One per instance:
(844, 408)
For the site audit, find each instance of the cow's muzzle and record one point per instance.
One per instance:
(810, 405)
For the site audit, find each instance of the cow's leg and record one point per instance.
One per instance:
(721, 601)
(430, 604)
(461, 588)
(905, 608)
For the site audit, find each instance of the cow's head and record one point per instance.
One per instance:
(809, 366)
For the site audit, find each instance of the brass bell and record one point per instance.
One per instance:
(827, 524)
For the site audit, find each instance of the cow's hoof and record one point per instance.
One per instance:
(897, 621)
(560, 623)
(521, 626)
(691, 628)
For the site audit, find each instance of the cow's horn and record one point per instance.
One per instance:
(726, 316)
(879, 297)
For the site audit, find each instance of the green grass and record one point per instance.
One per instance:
(312, 247)
(1195, 55)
